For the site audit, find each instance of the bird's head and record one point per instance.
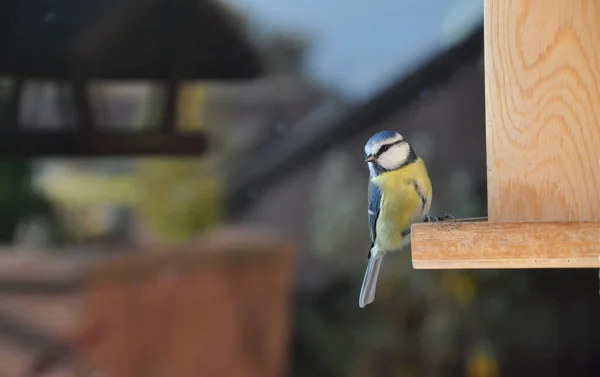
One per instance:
(386, 151)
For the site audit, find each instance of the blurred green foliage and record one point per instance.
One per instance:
(422, 323)
(19, 201)
(178, 198)
(172, 199)
(14, 195)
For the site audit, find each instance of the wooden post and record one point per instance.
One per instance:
(542, 81)
(220, 308)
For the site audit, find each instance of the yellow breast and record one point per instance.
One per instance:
(402, 191)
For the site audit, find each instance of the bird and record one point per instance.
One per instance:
(400, 195)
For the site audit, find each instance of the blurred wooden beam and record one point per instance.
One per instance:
(543, 110)
(37, 144)
(39, 288)
(83, 106)
(13, 105)
(39, 274)
(169, 118)
(464, 245)
(23, 334)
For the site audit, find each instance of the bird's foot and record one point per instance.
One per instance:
(446, 217)
(430, 219)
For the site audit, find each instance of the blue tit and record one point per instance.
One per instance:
(399, 196)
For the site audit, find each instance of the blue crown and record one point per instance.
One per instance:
(381, 136)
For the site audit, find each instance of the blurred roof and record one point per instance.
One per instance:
(123, 39)
(294, 150)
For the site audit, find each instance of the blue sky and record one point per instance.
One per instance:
(358, 46)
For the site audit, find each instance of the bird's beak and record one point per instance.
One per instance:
(370, 158)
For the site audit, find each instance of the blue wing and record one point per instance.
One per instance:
(374, 208)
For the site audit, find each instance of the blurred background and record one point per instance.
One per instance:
(286, 93)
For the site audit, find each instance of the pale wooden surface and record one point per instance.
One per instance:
(30, 320)
(39, 267)
(508, 245)
(542, 81)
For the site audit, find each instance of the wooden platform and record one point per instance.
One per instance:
(463, 245)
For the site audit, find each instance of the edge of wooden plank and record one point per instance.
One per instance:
(101, 143)
(64, 272)
(485, 245)
(229, 246)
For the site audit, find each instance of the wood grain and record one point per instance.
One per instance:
(506, 245)
(542, 81)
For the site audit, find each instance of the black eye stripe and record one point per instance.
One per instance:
(385, 147)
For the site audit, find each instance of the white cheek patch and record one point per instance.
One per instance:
(394, 157)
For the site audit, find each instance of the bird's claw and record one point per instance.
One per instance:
(446, 217)
(430, 219)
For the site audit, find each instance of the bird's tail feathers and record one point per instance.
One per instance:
(367, 291)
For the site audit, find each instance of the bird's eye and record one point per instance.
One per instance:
(383, 148)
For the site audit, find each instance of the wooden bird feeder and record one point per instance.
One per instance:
(80, 42)
(542, 76)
